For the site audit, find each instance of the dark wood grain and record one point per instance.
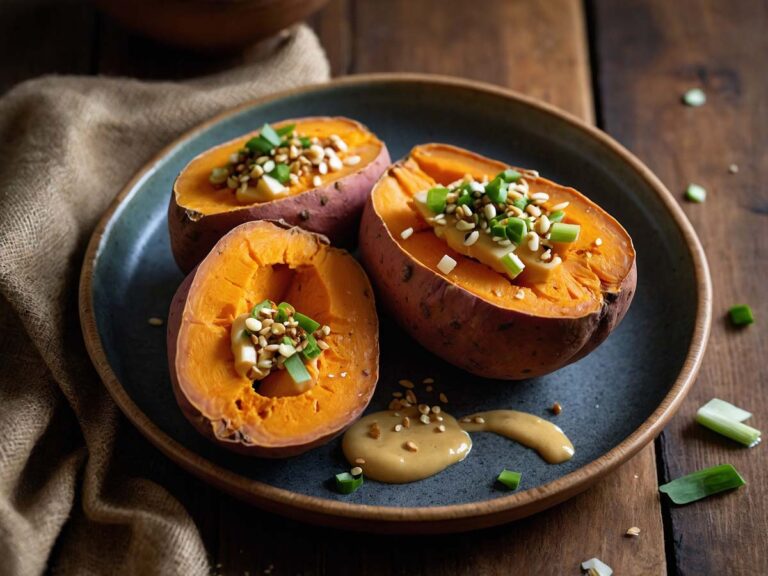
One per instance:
(650, 52)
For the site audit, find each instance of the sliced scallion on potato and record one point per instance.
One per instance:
(702, 483)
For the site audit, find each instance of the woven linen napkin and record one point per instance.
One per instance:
(69, 502)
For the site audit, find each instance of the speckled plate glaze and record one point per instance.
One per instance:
(615, 401)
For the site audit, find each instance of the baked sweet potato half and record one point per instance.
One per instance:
(273, 341)
(311, 172)
(499, 271)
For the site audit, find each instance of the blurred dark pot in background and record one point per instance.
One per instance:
(209, 25)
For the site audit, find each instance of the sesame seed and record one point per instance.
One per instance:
(410, 396)
(439, 418)
(423, 409)
(155, 321)
(406, 384)
(356, 471)
(424, 419)
(443, 398)
(446, 264)
(479, 420)
(560, 206)
(428, 381)
(359, 460)
(406, 422)
(397, 394)
(398, 427)
(490, 211)
(436, 409)
(465, 226)
(533, 210)
(598, 241)
(429, 388)
(466, 419)
(411, 446)
(533, 241)
(520, 294)
(441, 428)
(633, 531)
(352, 160)
(405, 234)
(343, 374)
(317, 181)
(733, 168)
(543, 196)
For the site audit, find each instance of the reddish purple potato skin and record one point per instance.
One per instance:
(457, 326)
(332, 210)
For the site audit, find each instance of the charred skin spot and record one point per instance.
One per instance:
(406, 273)
(304, 214)
(425, 310)
(323, 200)
(455, 324)
(506, 326)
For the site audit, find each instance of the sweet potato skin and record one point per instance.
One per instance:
(206, 427)
(332, 210)
(470, 332)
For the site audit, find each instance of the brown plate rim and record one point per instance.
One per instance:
(432, 519)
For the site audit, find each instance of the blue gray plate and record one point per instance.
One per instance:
(614, 401)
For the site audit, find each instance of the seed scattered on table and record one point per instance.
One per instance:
(733, 168)
(556, 408)
(428, 381)
(155, 321)
(633, 531)
(411, 446)
(406, 384)
(356, 471)
(443, 398)
(479, 420)
(441, 428)
(424, 419)
(359, 460)
(694, 97)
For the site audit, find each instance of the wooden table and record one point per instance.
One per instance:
(623, 65)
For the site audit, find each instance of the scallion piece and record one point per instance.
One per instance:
(306, 322)
(496, 190)
(464, 199)
(284, 310)
(499, 228)
(285, 130)
(695, 193)
(269, 134)
(259, 144)
(510, 175)
(509, 479)
(597, 567)
(296, 369)
(741, 315)
(521, 203)
(727, 419)
(513, 265)
(557, 216)
(436, 199)
(516, 229)
(256, 309)
(281, 173)
(305, 142)
(311, 350)
(346, 483)
(560, 232)
(218, 176)
(703, 483)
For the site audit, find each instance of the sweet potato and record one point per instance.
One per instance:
(471, 316)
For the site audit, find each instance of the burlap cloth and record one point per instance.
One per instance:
(67, 146)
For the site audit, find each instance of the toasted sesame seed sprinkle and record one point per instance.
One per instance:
(733, 168)
(397, 394)
(343, 374)
(424, 419)
(436, 409)
(410, 396)
(560, 206)
(479, 420)
(466, 419)
(317, 181)
(405, 234)
(423, 409)
(398, 427)
(155, 321)
(471, 238)
(411, 446)
(356, 471)
(428, 381)
(359, 460)
(443, 398)
(633, 531)
(441, 428)
(520, 294)
(406, 422)
(429, 388)
(406, 384)
(598, 241)
(352, 160)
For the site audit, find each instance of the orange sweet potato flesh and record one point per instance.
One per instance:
(255, 261)
(199, 213)
(470, 317)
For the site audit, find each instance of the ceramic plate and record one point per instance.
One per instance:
(615, 400)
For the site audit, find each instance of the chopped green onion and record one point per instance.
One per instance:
(496, 190)
(305, 142)
(560, 232)
(741, 315)
(259, 144)
(557, 216)
(346, 483)
(296, 369)
(269, 134)
(311, 350)
(436, 199)
(516, 229)
(703, 483)
(306, 322)
(695, 97)
(597, 567)
(284, 310)
(218, 176)
(510, 479)
(521, 203)
(256, 309)
(288, 347)
(695, 193)
(727, 419)
(286, 130)
(281, 173)
(499, 228)
(465, 199)
(513, 264)
(510, 175)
